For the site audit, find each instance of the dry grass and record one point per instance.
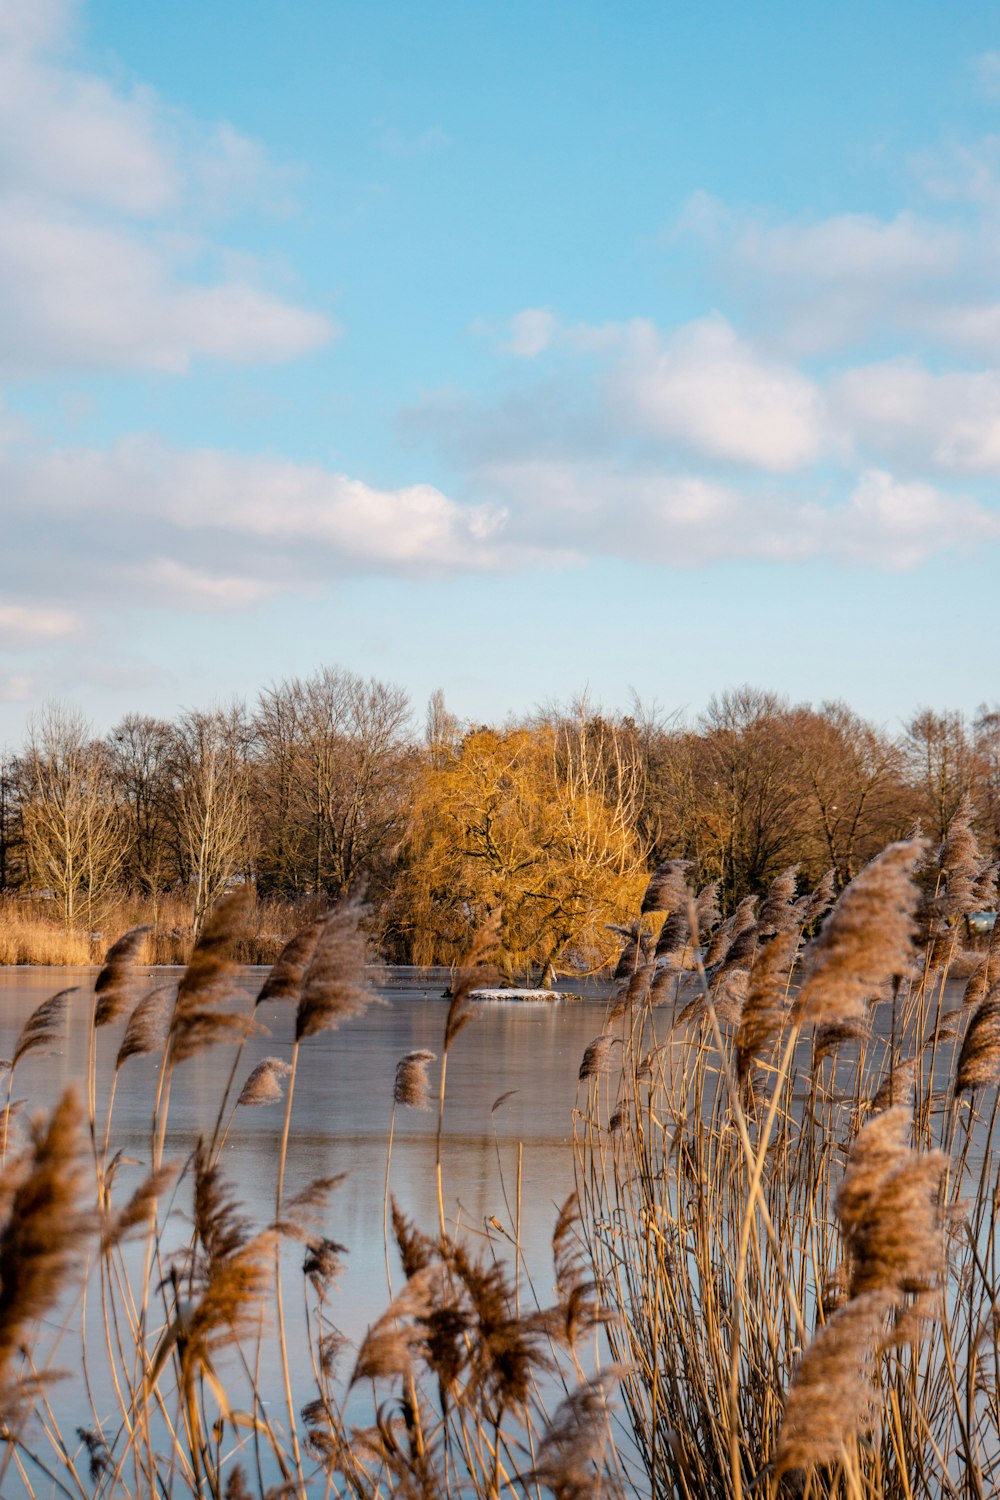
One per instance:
(32, 931)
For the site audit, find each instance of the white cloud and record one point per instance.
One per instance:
(811, 289)
(143, 523)
(687, 521)
(900, 524)
(986, 71)
(531, 333)
(82, 296)
(95, 182)
(15, 688)
(26, 623)
(851, 247)
(950, 421)
(709, 391)
(29, 24)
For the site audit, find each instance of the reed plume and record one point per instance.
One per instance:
(263, 1084)
(335, 985)
(113, 986)
(667, 888)
(411, 1085)
(637, 949)
(284, 979)
(387, 1348)
(777, 912)
(832, 1397)
(866, 941)
(569, 1463)
(146, 1030)
(733, 927)
(44, 1026)
(897, 1087)
(766, 1005)
(578, 1310)
(44, 1234)
(706, 907)
(197, 1022)
(986, 973)
(137, 1211)
(979, 1059)
(597, 1057)
(815, 904)
(888, 1211)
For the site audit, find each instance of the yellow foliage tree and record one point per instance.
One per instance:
(538, 824)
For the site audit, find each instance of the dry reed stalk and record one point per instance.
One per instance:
(263, 1084)
(474, 972)
(866, 941)
(833, 1397)
(113, 986)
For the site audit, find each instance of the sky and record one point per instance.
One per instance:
(514, 350)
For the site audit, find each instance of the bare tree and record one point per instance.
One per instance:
(749, 795)
(141, 751)
(335, 747)
(212, 775)
(11, 835)
(941, 764)
(71, 825)
(857, 800)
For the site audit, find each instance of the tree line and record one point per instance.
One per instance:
(550, 823)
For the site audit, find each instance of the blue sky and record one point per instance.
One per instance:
(510, 349)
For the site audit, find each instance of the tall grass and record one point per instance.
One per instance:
(789, 1174)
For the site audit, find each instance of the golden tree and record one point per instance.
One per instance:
(537, 824)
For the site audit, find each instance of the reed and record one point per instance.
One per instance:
(788, 1179)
